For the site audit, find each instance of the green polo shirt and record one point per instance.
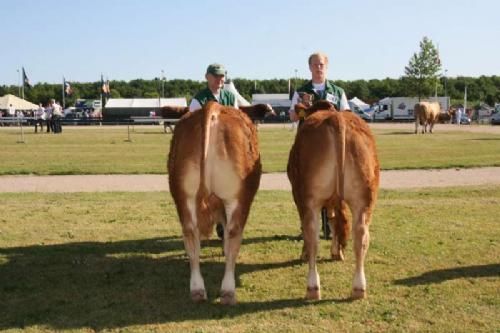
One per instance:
(225, 98)
(332, 93)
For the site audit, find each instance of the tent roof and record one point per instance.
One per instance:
(359, 103)
(229, 85)
(145, 102)
(18, 103)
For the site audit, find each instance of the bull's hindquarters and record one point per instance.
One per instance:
(214, 171)
(324, 173)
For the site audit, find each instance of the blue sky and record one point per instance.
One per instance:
(129, 39)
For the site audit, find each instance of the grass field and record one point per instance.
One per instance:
(104, 150)
(114, 261)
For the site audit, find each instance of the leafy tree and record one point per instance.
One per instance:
(421, 74)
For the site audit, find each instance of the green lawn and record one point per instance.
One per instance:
(114, 261)
(105, 150)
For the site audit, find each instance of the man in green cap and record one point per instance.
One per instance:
(215, 75)
(214, 91)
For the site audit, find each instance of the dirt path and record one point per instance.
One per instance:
(274, 181)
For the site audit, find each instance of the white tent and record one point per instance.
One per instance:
(229, 85)
(356, 103)
(17, 103)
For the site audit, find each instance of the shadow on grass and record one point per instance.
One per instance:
(117, 284)
(398, 133)
(485, 139)
(441, 275)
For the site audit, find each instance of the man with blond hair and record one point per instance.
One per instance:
(318, 88)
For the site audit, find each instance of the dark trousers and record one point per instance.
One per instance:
(48, 122)
(56, 121)
(38, 122)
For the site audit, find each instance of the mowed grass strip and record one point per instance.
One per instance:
(105, 150)
(116, 261)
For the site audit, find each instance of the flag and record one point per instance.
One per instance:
(68, 91)
(104, 86)
(26, 81)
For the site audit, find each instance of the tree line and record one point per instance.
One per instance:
(422, 78)
(482, 89)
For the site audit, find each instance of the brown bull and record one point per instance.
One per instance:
(214, 172)
(426, 114)
(333, 164)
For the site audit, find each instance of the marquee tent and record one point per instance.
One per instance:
(17, 103)
(229, 85)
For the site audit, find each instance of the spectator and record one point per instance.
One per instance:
(458, 115)
(11, 111)
(39, 118)
(56, 117)
(48, 117)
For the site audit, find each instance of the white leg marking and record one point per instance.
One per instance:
(228, 283)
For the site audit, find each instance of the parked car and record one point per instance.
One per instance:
(495, 118)
(364, 115)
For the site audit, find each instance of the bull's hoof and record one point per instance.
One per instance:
(358, 294)
(313, 294)
(338, 256)
(199, 295)
(227, 298)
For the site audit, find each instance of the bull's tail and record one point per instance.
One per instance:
(205, 224)
(340, 143)
(341, 226)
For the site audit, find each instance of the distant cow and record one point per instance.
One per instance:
(445, 117)
(426, 113)
(333, 164)
(214, 172)
(173, 112)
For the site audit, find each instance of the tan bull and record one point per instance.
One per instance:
(333, 164)
(426, 114)
(214, 172)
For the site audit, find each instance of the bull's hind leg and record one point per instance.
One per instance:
(236, 217)
(310, 229)
(340, 232)
(361, 241)
(191, 237)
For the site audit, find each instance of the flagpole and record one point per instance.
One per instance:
(465, 99)
(19, 82)
(63, 99)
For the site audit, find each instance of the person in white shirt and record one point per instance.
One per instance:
(11, 111)
(39, 118)
(318, 88)
(56, 116)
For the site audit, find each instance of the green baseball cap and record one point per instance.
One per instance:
(216, 69)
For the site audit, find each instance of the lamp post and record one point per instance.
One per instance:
(295, 80)
(162, 83)
(445, 81)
